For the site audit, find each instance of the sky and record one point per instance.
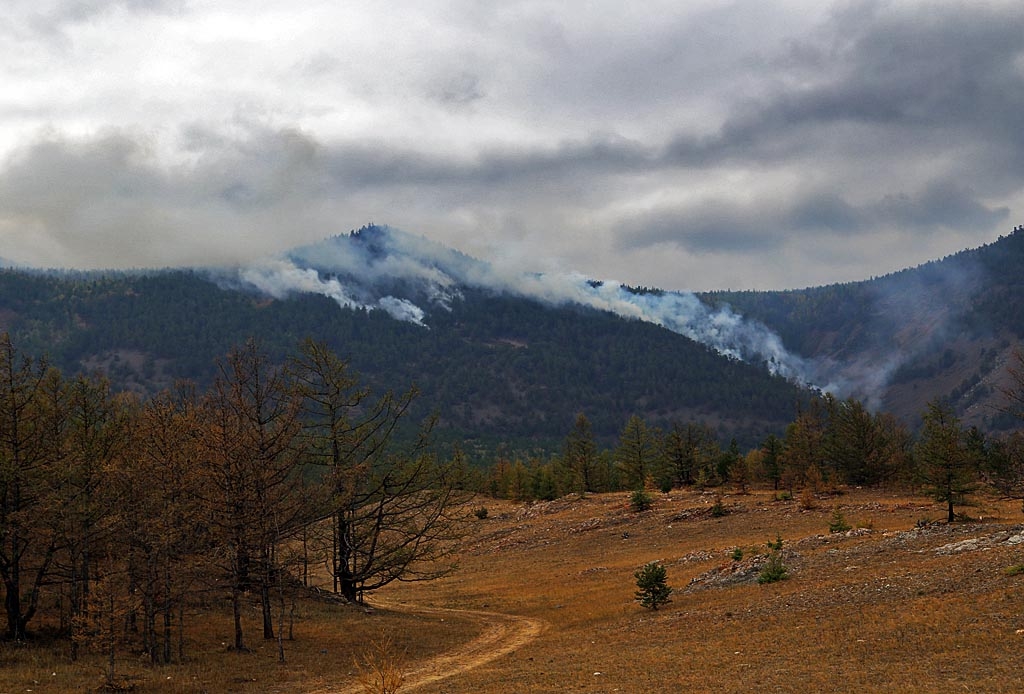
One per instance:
(693, 145)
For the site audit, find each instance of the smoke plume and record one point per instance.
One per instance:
(378, 268)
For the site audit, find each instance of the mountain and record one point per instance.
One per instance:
(507, 358)
(946, 329)
(499, 366)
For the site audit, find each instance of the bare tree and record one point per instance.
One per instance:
(30, 410)
(252, 466)
(395, 515)
(162, 520)
(1014, 391)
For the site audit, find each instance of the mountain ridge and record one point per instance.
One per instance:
(944, 329)
(506, 357)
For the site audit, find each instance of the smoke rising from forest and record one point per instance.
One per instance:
(379, 268)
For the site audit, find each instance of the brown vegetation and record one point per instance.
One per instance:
(895, 603)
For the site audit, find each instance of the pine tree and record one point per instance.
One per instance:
(652, 586)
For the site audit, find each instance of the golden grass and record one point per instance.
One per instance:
(871, 612)
(889, 609)
(328, 639)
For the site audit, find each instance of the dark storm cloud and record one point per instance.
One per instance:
(726, 226)
(933, 72)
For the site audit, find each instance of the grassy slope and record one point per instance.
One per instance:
(885, 609)
(869, 612)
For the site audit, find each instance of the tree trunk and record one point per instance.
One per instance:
(266, 559)
(344, 580)
(949, 516)
(268, 617)
(236, 608)
(12, 604)
(168, 608)
(181, 632)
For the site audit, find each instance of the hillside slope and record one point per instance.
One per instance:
(496, 368)
(944, 329)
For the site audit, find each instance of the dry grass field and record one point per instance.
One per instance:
(543, 602)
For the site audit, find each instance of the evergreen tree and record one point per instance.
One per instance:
(946, 465)
(687, 449)
(637, 453)
(580, 456)
(652, 585)
(771, 460)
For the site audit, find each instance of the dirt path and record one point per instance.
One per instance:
(500, 634)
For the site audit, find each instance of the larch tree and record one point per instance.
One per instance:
(1013, 392)
(580, 456)
(251, 464)
(95, 438)
(637, 453)
(395, 514)
(946, 465)
(30, 410)
(803, 447)
(771, 459)
(164, 530)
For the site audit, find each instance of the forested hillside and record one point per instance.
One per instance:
(944, 329)
(496, 369)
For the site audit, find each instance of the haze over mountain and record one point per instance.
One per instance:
(946, 329)
(507, 356)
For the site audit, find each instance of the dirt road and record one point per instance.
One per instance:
(500, 634)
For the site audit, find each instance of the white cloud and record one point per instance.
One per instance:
(637, 144)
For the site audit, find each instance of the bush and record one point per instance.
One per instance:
(773, 570)
(481, 512)
(737, 554)
(381, 669)
(718, 508)
(640, 501)
(652, 587)
(1015, 570)
(838, 524)
(808, 501)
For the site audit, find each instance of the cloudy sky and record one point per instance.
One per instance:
(687, 145)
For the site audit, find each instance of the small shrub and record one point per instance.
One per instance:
(1015, 570)
(381, 669)
(775, 546)
(652, 587)
(665, 486)
(481, 512)
(737, 554)
(838, 524)
(773, 570)
(718, 508)
(807, 499)
(783, 496)
(640, 500)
